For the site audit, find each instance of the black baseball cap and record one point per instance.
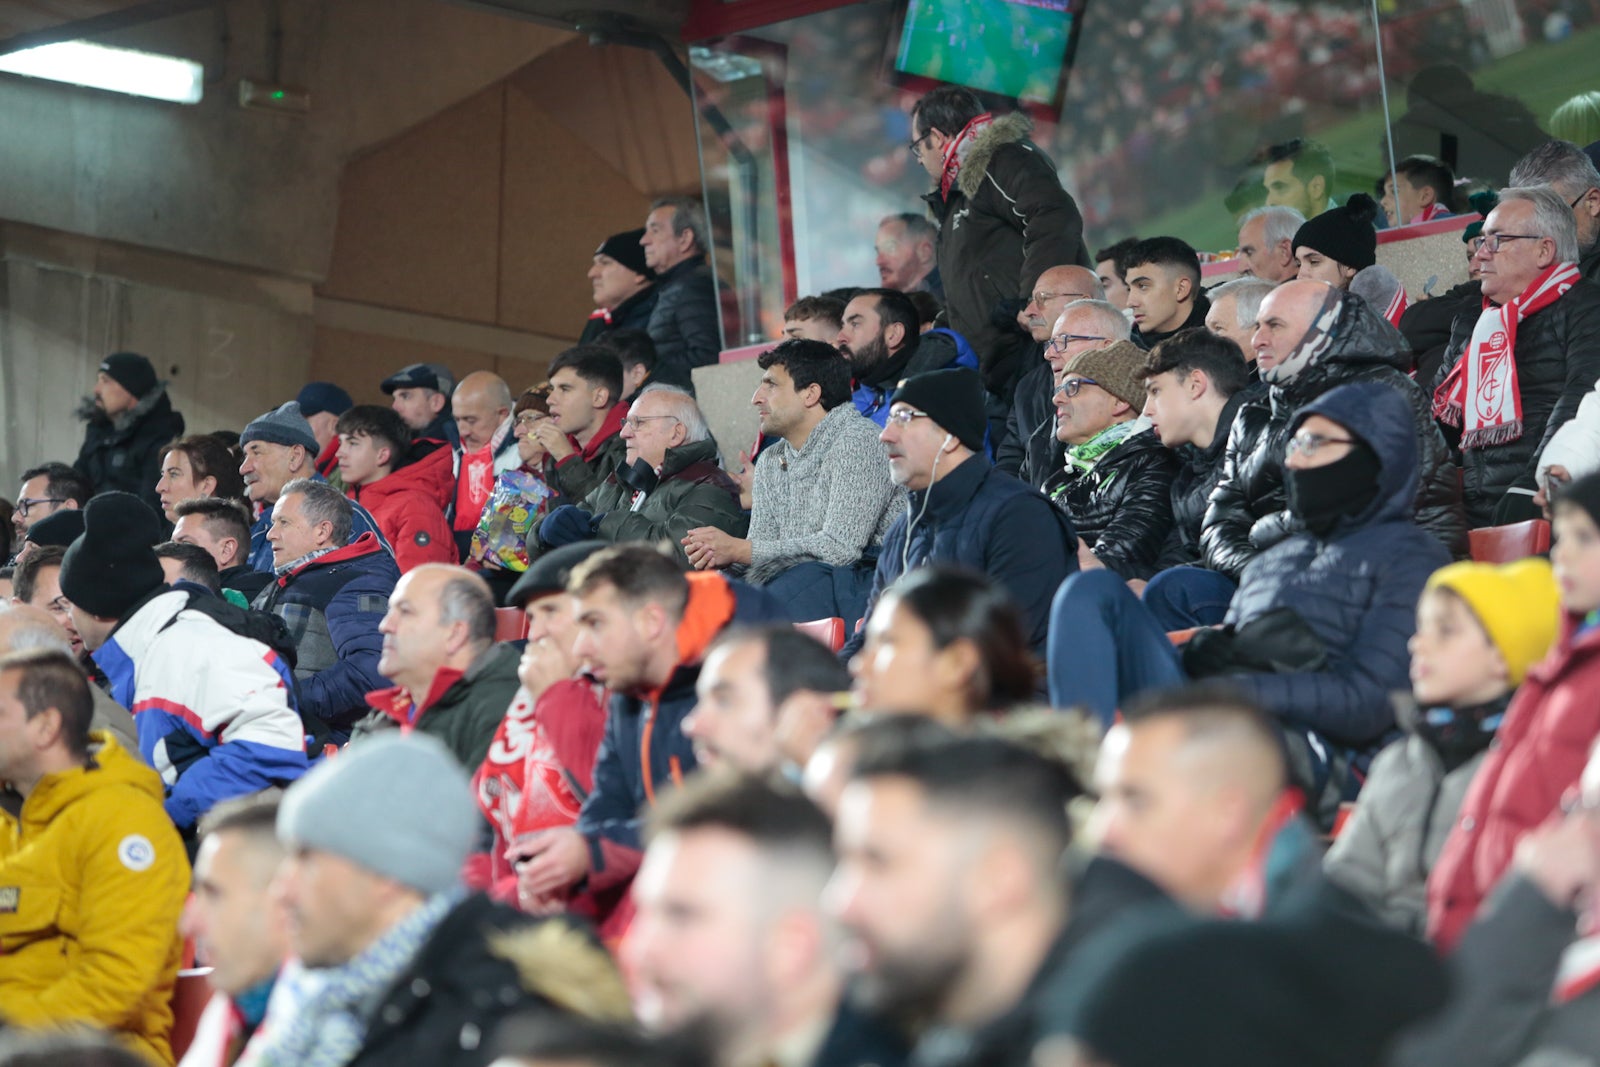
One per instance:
(421, 376)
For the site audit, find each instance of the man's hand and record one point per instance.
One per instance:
(554, 439)
(550, 862)
(710, 548)
(1555, 477)
(543, 664)
(1561, 859)
(1087, 560)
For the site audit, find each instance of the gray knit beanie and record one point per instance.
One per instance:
(283, 425)
(399, 806)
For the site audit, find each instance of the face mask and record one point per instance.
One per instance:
(1321, 496)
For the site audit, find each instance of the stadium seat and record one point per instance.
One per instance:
(189, 999)
(829, 631)
(510, 624)
(1507, 544)
(1181, 637)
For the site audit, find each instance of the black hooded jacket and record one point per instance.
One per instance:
(125, 452)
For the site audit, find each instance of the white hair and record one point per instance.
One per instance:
(681, 406)
(1247, 295)
(1108, 320)
(1552, 217)
(1282, 223)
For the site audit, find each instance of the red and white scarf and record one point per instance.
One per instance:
(1431, 212)
(956, 149)
(1397, 307)
(1480, 394)
(1579, 971)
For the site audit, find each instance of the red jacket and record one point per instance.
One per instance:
(1537, 756)
(406, 508)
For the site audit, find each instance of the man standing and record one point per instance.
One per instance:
(1300, 175)
(623, 286)
(1164, 294)
(45, 490)
(131, 422)
(92, 874)
(882, 339)
(1003, 219)
(905, 255)
(1031, 408)
(582, 433)
(222, 529)
(421, 396)
(487, 449)
(685, 324)
(1266, 243)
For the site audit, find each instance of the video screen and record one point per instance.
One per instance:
(1015, 48)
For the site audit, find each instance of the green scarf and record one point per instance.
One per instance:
(1083, 457)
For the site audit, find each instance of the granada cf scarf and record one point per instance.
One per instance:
(1431, 212)
(955, 152)
(1397, 307)
(1480, 394)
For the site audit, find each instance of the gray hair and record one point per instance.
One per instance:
(27, 634)
(1558, 163)
(323, 503)
(681, 406)
(1282, 223)
(1552, 217)
(1107, 319)
(1247, 295)
(465, 597)
(687, 214)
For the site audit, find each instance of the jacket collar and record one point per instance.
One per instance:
(688, 266)
(951, 495)
(610, 426)
(684, 456)
(365, 545)
(709, 609)
(397, 702)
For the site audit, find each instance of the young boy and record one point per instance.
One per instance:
(372, 445)
(1479, 629)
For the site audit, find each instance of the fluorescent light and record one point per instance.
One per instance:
(118, 70)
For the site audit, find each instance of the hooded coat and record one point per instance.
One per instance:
(125, 452)
(1246, 514)
(693, 492)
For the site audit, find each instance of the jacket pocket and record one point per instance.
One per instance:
(30, 911)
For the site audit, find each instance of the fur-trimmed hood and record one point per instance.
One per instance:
(1007, 129)
(156, 399)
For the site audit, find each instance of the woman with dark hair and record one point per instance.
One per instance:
(196, 466)
(947, 643)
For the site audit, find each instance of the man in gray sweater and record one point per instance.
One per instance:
(822, 498)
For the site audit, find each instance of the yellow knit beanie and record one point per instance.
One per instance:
(1517, 604)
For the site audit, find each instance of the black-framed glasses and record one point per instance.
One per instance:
(1061, 340)
(26, 504)
(1308, 444)
(903, 416)
(632, 422)
(1491, 242)
(1073, 386)
(1580, 198)
(916, 146)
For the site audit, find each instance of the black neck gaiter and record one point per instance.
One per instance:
(1321, 496)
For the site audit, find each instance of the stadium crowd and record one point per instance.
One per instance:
(1081, 667)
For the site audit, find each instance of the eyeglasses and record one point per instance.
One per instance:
(1580, 198)
(1073, 386)
(916, 146)
(1042, 297)
(1061, 340)
(633, 422)
(26, 504)
(530, 418)
(1491, 242)
(1307, 443)
(903, 416)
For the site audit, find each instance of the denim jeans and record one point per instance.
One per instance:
(1105, 646)
(1184, 597)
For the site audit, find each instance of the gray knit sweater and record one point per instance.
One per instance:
(827, 501)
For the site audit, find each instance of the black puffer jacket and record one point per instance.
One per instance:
(684, 322)
(632, 314)
(1558, 362)
(1122, 508)
(1199, 471)
(1246, 513)
(125, 452)
(1006, 221)
(1030, 428)
(1426, 327)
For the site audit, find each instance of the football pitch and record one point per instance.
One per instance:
(1014, 49)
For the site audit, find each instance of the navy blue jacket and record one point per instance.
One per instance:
(987, 521)
(1357, 588)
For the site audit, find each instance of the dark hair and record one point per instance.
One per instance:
(1163, 252)
(1200, 350)
(637, 572)
(597, 365)
(25, 579)
(796, 662)
(947, 109)
(812, 363)
(961, 605)
(550, 1037)
(199, 566)
(1213, 709)
(894, 306)
(926, 303)
(1116, 252)
(379, 424)
(222, 518)
(209, 457)
(773, 816)
(1431, 173)
(844, 294)
(62, 481)
(255, 814)
(918, 226)
(808, 308)
(1310, 158)
(52, 679)
(76, 1047)
(634, 348)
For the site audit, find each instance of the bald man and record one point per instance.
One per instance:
(486, 450)
(1055, 289)
(24, 627)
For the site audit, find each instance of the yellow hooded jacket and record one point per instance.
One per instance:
(93, 878)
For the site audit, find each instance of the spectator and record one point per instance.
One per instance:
(1310, 338)
(685, 324)
(1571, 172)
(1315, 631)
(321, 404)
(452, 681)
(643, 628)
(623, 287)
(330, 592)
(37, 583)
(731, 940)
(373, 445)
(583, 434)
(24, 627)
(905, 248)
(1427, 187)
(213, 709)
(1194, 384)
(521, 499)
(1015, 219)
(1542, 745)
(882, 339)
(1234, 308)
(190, 564)
(1300, 174)
(668, 485)
(1339, 242)
(52, 531)
(67, 1048)
(821, 497)
(637, 354)
(222, 529)
(237, 927)
(197, 466)
(1116, 481)
(945, 643)
(1031, 409)
(1266, 244)
(813, 318)
(421, 396)
(765, 698)
(46, 490)
(1479, 629)
(379, 917)
(541, 763)
(1108, 269)
(487, 449)
(1538, 308)
(961, 510)
(130, 420)
(102, 948)
(1083, 326)
(1164, 294)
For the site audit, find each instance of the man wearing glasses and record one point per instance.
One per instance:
(47, 489)
(1569, 171)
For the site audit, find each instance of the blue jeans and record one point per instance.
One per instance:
(1184, 597)
(1105, 647)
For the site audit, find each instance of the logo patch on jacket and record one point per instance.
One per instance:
(10, 899)
(136, 852)
(421, 538)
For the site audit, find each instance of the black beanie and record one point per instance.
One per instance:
(131, 371)
(59, 529)
(113, 565)
(626, 249)
(1584, 493)
(1344, 234)
(952, 398)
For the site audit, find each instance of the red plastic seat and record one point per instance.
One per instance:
(510, 624)
(829, 631)
(189, 998)
(1507, 544)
